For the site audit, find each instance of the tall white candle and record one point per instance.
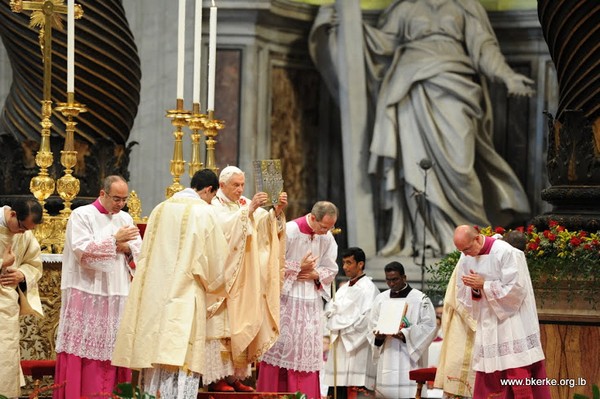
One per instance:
(70, 46)
(197, 51)
(181, 49)
(212, 57)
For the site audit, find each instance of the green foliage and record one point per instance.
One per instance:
(125, 391)
(595, 393)
(440, 273)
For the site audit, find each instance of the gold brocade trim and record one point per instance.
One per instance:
(241, 361)
(225, 351)
(465, 387)
(242, 251)
(183, 231)
(264, 349)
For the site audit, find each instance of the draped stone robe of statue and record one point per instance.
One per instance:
(427, 62)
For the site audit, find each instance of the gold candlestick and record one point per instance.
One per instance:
(68, 185)
(42, 185)
(196, 124)
(211, 130)
(179, 118)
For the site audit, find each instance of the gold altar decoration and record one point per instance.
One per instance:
(42, 185)
(179, 118)
(50, 234)
(211, 130)
(196, 124)
(134, 206)
(39, 335)
(68, 185)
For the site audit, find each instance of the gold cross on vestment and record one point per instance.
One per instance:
(45, 15)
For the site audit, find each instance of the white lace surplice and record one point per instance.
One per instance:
(178, 384)
(95, 283)
(300, 343)
(91, 323)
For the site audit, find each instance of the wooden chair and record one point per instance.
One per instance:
(421, 376)
(37, 369)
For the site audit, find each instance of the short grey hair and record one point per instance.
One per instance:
(228, 172)
(323, 208)
(109, 180)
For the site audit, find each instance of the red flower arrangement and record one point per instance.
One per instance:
(557, 258)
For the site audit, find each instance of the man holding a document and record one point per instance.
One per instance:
(403, 325)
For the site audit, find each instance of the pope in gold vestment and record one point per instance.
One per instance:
(244, 324)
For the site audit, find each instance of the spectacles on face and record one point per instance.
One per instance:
(117, 200)
(325, 227)
(393, 280)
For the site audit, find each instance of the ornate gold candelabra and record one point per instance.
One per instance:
(211, 130)
(46, 15)
(42, 185)
(51, 233)
(196, 124)
(68, 185)
(179, 118)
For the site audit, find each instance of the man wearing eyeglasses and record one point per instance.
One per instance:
(21, 268)
(294, 361)
(100, 241)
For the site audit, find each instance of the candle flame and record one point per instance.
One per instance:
(213, 3)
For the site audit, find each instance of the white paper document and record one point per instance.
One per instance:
(390, 316)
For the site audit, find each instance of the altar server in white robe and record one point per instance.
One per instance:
(349, 364)
(397, 354)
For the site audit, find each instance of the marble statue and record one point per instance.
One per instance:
(426, 66)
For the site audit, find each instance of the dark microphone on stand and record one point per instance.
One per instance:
(425, 163)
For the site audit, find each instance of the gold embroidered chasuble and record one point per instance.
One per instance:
(246, 321)
(164, 321)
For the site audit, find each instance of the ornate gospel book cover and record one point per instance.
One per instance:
(268, 178)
